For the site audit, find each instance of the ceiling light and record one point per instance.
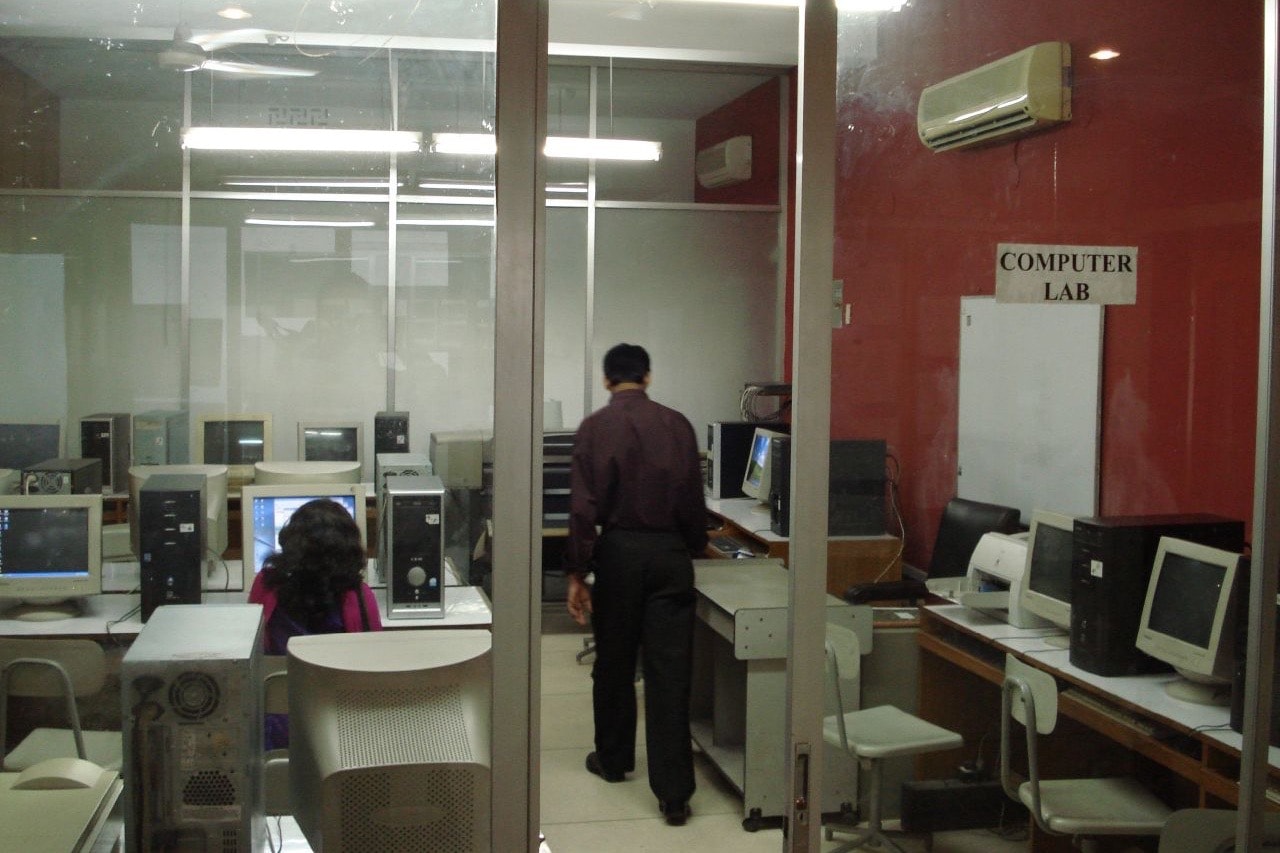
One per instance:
(556, 146)
(298, 222)
(234, 13)
(1104, 53)
(300, 139)
(309, 183)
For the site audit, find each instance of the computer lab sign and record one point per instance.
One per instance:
(1067, 275)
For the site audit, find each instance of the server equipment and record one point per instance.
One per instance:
(1111, 562)
(557, 457)
(161, 438)
(391, 432)
(411, 550)
(192, 719)
(855, 491)
(171, 519)
(63, 477)
(107, 437)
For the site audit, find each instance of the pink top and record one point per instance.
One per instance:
(351, 621)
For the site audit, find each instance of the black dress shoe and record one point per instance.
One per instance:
(675, 813)
(594, 766)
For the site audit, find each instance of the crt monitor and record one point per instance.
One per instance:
(755, 482)
(290, 472)
(264, 510)
(215, 491)
(23, 444)
(237, 441)
(330, 441)
(1188, 618)
(50, 554)
(389, 744)
(1046, 588)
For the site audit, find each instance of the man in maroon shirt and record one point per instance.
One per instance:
(635, 476)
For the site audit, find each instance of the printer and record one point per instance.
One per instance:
(993, 584)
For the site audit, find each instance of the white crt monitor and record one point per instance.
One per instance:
(237, 441)
(756, 480)
(215, 492)
(1188, 618)
(1046, 587)
(389, 740)
(288, 472)
(50, 553)
(264, 510)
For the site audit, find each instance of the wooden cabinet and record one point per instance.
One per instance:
(850, 559)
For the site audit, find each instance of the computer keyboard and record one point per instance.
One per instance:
(726, 544)
(1120, 715)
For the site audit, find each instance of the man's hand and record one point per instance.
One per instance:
(579, 603)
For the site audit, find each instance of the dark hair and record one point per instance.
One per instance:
(626, 363)
(321, 558)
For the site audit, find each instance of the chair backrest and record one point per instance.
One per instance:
(843, 669)
(1030, 696)
(963, 523)
(83, 660)
(275, 687)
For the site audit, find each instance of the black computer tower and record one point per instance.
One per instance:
(855, 491)
(63, 477)
(108, 437)
(728, 449)
(1240, 666)
(411, 551)
(1110, 568)
(171, 519)
(391, 432)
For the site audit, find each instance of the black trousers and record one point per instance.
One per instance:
(642, 601)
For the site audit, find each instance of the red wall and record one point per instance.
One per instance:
(1163, 153)
(755, 114)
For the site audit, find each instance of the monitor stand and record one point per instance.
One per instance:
(45, 610)
(1058, 641)
(1199, 691)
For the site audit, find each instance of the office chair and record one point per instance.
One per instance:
(50, 668)
(1213, 831)
(963, 523)
(1081, 808)
(275, 762)
(871, 736)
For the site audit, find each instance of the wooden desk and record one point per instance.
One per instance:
(1185, 753)
(850, 559)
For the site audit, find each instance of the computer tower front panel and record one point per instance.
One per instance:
(107, 437)
(391, 432)
(171, 519)
(412, 547)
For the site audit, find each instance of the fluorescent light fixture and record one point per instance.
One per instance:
(299, 222)
(475, 223)
(570, 187)
(300, 139)
(309, 183)
(557, 146)
(1104, 53)
(234, 13)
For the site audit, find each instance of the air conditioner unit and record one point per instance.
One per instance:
(724, 163)
(1026, 91)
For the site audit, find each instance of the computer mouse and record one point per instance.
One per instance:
(54, 774)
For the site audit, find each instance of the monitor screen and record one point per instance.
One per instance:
(25, 444)
(338, 442)
(1188, 615)
(1047, 588)
(50, 549)
(266, 509)
(755, 483)
(234, 441)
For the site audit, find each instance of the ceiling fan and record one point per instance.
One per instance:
(196, 53)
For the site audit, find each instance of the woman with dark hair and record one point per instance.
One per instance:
(313, 585)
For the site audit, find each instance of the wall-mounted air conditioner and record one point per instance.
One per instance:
(1026, 91)
(724, 163)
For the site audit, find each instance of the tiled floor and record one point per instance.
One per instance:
(583, 814)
